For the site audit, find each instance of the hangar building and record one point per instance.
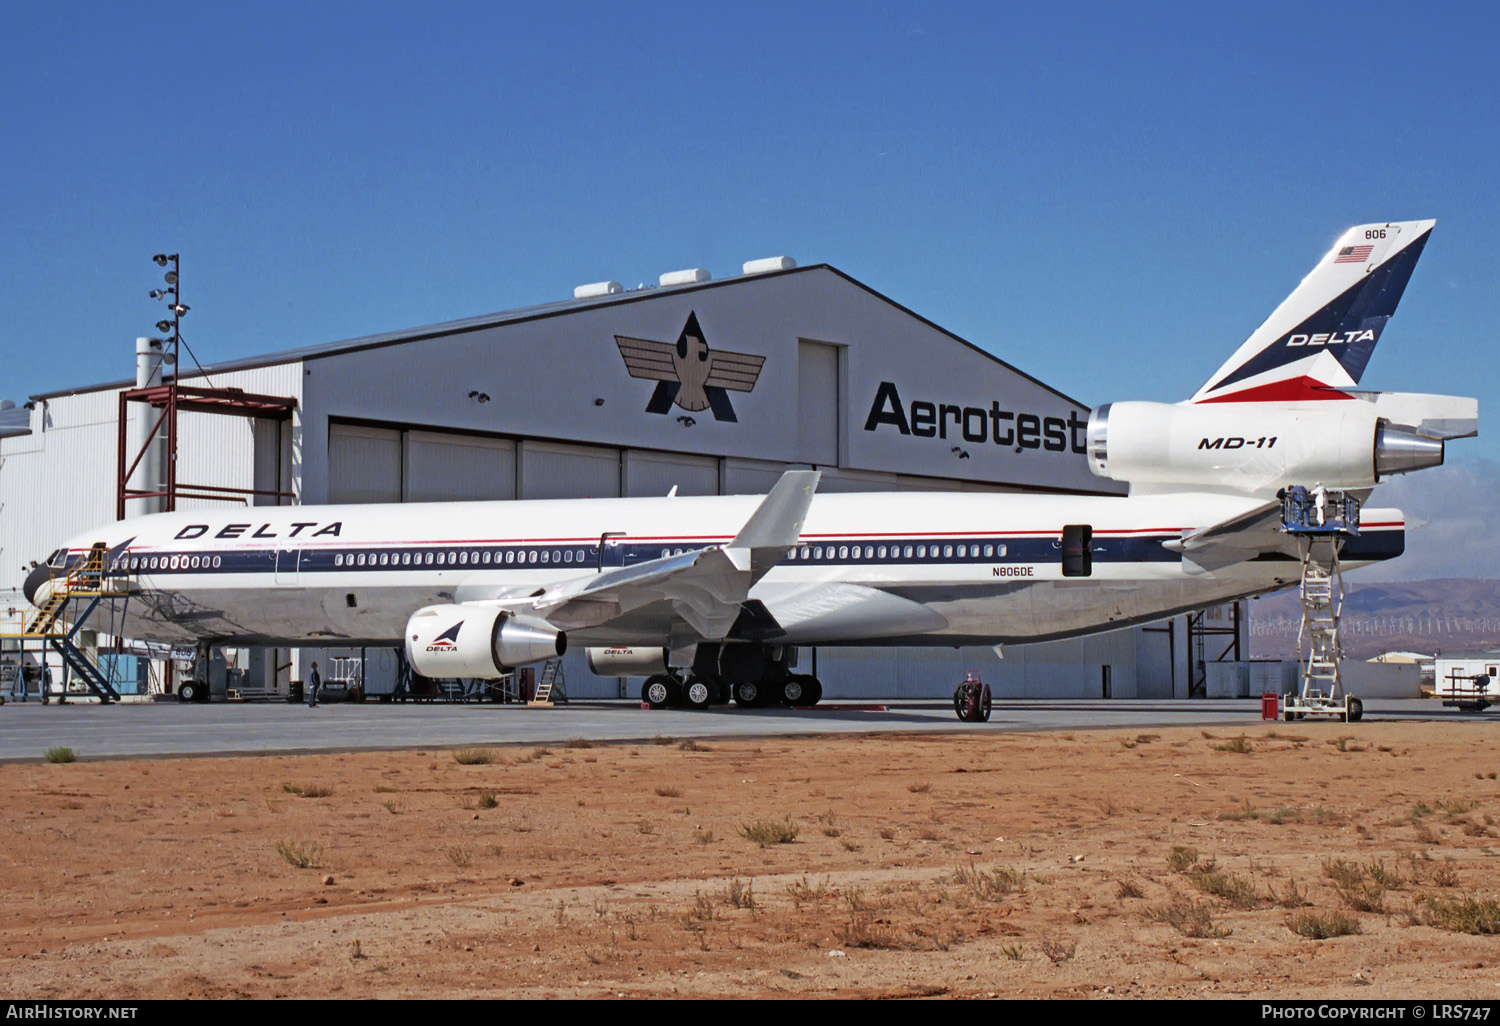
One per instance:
(573, 399)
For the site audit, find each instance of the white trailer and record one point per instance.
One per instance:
(1468, 680)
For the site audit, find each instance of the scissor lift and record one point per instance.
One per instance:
(1321, 521)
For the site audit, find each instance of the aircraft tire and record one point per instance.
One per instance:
(698, 692)
(723, 691)
(660, 691)
(793, 690)
(187, 691)
(750, 695)
(813, 690)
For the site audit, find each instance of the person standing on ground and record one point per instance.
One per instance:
(314, 682)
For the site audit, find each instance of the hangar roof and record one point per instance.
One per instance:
(536, 312)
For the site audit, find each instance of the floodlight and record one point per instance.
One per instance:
(170, 277)
(179, 309)
(161, 259)
(157, 293)
(163, 325)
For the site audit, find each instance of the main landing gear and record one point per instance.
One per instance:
(699, 691)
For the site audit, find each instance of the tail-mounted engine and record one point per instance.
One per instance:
(479, 641)
(1255, 447)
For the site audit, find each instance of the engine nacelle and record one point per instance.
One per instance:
(472, 640)
(1254, 447)
(627, 661)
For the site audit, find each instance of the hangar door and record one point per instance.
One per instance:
(364, 464)
(452, 468)
(368, 464)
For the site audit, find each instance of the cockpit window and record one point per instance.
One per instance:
(58, 558)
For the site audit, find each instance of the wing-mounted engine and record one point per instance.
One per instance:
(477, 640)
(628, 661)
(1255, 448)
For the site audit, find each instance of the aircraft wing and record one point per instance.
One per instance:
(1237, 539)
(703, 589)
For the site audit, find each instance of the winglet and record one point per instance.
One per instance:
(776, 524)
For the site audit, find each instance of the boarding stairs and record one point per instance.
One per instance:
(550, 687)
(1321, 521)
(84, 586)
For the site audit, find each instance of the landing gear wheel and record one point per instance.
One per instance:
(659, 691)
(187, 691)
(802, 690)
(698, 693)
(1356, 710)
(1289, 716)
(750, 695)
(722, 691)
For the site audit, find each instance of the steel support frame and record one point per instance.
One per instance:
(172, 399)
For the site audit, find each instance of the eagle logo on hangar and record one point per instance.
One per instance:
(689, 374)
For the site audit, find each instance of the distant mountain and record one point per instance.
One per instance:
(1450, 615)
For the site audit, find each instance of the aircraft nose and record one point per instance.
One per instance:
(34, 582)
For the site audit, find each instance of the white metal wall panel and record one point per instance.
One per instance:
(550, 470)
(364, 464)
(856, 481)
(752, 477)
(449, 467)
(214, 452)
(657, 473)
(1055, 669)
(819, 402)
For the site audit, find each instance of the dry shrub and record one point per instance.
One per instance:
(300, 854)
(769, 831)
(1189, 918)
(740, 894)
(990, 885)
(1322, 926)
(1464, 913)
(1231, 887)
(1059, 949)
(473, 756)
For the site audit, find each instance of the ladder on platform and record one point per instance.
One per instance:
(89, 583)
(550, 687)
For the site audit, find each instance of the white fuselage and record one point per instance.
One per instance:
(870, 568)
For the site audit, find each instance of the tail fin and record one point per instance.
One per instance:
(1320, 338)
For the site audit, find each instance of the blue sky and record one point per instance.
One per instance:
(1109, 196)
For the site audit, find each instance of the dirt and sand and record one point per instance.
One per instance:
(1172, 863)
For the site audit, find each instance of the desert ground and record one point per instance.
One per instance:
(1178, 863)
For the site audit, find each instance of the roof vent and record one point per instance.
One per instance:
(766, 264)
(688, 277)
(598, 288)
